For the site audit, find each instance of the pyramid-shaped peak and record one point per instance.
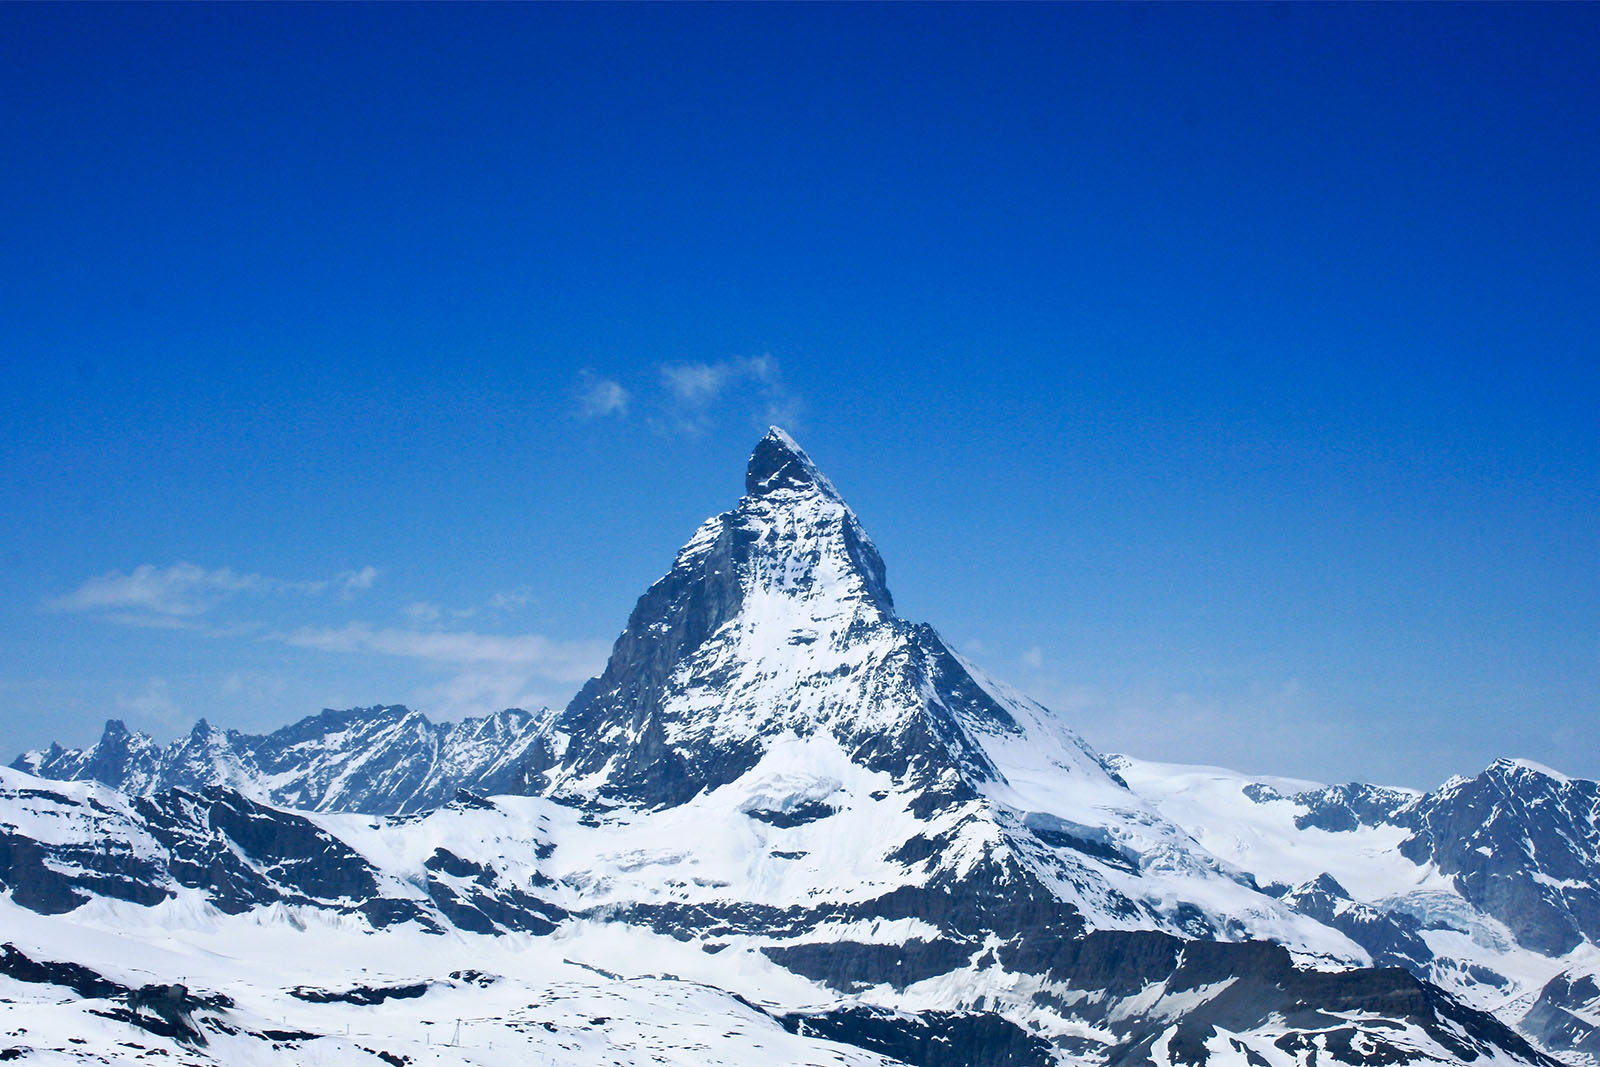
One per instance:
(778, 463)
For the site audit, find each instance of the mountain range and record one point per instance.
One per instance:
(783, 825)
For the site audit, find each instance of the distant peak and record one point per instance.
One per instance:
(1324, 883)
(779, 463)
(1506, 767)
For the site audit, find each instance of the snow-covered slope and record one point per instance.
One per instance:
(326, 938)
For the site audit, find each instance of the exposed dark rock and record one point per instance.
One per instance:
(799, 815)
(929, 1039)
(81, 980)
(363, 995)
(1560, 1017)
(1391, 938)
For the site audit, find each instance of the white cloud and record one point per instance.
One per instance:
(150, 622)
(599, 397)
(422, 611)
(504, 602)
(488, 672)
(565, 661)
(508, 601)
(475, 692)
(1266, 727)
(181, 589)
(752, 383)
(166, 597)
(253, 685)
(154, 703)
(356, 581)
(1033, 657)
(698, 384)
(695, 384)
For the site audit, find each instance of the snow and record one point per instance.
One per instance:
(1261, 836)
(536, 1006)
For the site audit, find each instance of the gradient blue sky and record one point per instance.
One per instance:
(1226, 377)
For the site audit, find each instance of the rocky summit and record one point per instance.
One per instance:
(784, 825)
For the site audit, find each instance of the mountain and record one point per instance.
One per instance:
(766, 680)
(1486, 885)
(808, 818)
(1518, 845)
(378, 759)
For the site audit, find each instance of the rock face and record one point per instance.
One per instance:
(768, 672)
(1566, 1017)
(779, 785)
(1484, 885)
(1522, 843)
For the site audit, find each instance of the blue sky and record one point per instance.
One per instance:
(1225, 377)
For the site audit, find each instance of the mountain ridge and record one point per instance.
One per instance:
(384, 758)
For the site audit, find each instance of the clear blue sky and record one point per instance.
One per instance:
(1226, 377)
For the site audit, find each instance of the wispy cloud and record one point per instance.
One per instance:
(171, 597)
(688, 397)
(599, 397)
(563, 661)
(422, 611)
(487, 672)
(1033, 657)
(698, 384)
(1231, 725)
(476, 692)
(508, 600)
(179, 590)
(352, 582)
(695, 390)
(154, 703)
(254, 686)
(500, 603)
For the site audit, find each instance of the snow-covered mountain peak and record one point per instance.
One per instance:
(772, 643)
(778, 463)
(774, 618)
(1506, 767)
(805, 542)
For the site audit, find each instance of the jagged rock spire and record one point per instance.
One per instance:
(779, 463)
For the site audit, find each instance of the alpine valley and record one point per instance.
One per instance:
(783, 826)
